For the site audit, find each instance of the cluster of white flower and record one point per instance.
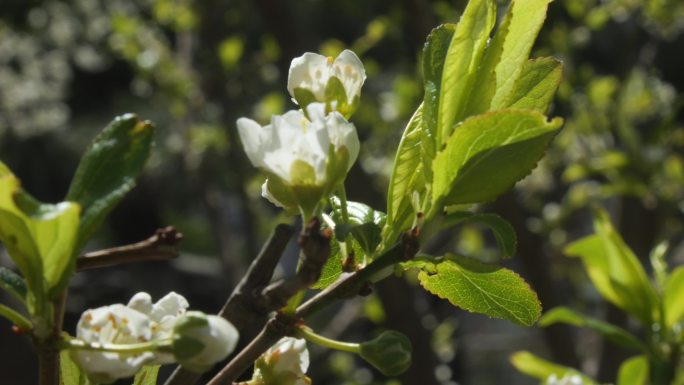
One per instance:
(306, 153)
(568, 379)
(116, 341)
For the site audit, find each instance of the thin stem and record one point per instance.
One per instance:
(318, 339)
(343, 203)
(76, 344)
(22, 322)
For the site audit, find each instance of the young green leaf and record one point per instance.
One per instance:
(633, 371)
(365, 223)
(454, 84)
(541, 369)
(13, 284)
(147, 375)
(673, 300)
(487, 154)
(479, 288)
(506, 55)
(69, 372)
(108, 170)
(41, 243)
(611, 332)
(434, 56)
(503, 231)
(536, 86)
(615, 270)
(408, 176)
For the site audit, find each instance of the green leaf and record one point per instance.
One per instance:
(611, 332)
(536, 86)
(434, 56)
(108, 169)
(479, 288)
(453, 85)
(633, 371)
(390, 352)
(673, 297)
(13, 284)
(503, 231)
(15, 317)
(69, 372)
(488, 153)
(41, 243)
(616, 271)
(408, 176)
(147, 375)
(365, 224)
(541, 369)
(506, 55)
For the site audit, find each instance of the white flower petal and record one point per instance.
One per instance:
(310, 71)
(141, 302)
(253, 137)
(349, 69)
(171, 305)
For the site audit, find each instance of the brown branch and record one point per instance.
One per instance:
(349, 285)
(239, 309)
(161, 246)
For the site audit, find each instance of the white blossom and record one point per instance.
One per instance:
(139, 321)
(285, 363)
(297, 151)
(313, 71)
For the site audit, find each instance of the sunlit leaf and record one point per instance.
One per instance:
(536, 85)
(673, 297)
(634, 371)
(488, 153)
(611, 332)
(615, 270)
(408, 176)
(479, 288)
(541, 369)
(506, 55)
(108, 169)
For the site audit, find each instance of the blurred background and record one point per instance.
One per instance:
(194, 67)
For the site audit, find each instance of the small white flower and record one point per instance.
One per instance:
(312, 72)
(139, 321)
(298, 153)
(285, 363)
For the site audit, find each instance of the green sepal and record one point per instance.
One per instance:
(337, 96)
(390, 352)
(304, 97)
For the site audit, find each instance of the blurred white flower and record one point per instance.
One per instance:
(304, 157)
(568, 379)
(203, 340)
(313, 72)
(285, 363)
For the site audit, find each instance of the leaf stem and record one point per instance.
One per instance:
(15, 317)
(308, 334)
(76, 344)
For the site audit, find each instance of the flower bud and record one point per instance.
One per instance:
(390, 352)
(336, 82)
(202, 340)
